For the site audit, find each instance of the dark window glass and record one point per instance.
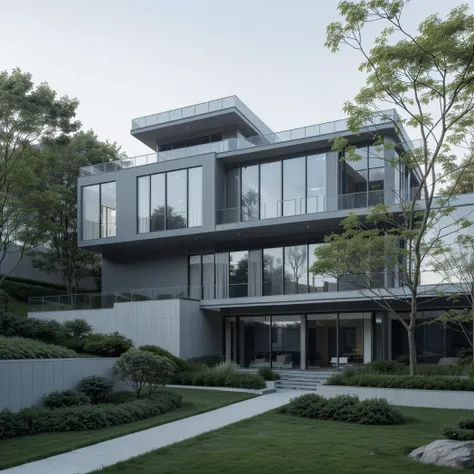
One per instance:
(180, 144)
(166, 147)
(270, 190)
(216, 137)
(273, 271)
(176, 214)
(254, 338)
(157, 202)
(294, 186)
(249, 193)
(238, 274)
(296, 269)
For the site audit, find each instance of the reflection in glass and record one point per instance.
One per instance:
(195, 197)
(351, 336)
(250, 193)
(231, 213)
(316, 183)
(90, 212)
(238, 274)
(286, 342)
(108, 210)
(294, 186)
(319, 282)
(273, 271)
(195, 276)
(143, 204)
(270, 192)
(255, 341)
(321, 345)
(157, 202)
(176, 216)
(353, 181)
(296, 269)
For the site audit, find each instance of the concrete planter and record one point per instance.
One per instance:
(405, 397)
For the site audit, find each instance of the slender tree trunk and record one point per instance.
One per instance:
(412, 348)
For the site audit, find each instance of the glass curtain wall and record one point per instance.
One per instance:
(316, 183)
(270, 190)
(144, 204)
(238, 274)
(99, 210)
(176, 199)
(319, 283)
(294, 186)
(296, 269)
(322, 340)
(195, 197)
(250, 195)
(286, 342)
(208, 276)
(108, 210)
(273, 271)
(255, 341)
(195, 276)
(157, 202)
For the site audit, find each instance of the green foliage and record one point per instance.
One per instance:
(96, 388)
(22, 291)
(466, 424)
(77, 328)
(21, 348)
(210, 360)
(180, 363)
(268, 374)
(66, 398)
(224, 368)
(3, 302)
(388, 367)
(31, 421)
(463, 431)
(140, 369)
(212, 378)
(106, 345)
(345, 408)
(404, 381)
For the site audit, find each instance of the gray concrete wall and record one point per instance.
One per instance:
(24, 383)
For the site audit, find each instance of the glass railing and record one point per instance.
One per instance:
(237, 143)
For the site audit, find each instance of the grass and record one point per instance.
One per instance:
(30, 448)
(275, 442)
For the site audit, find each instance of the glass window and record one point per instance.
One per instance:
(316, 183)
(273, 271)
(351, 336)
(255, 341)
(143, 204)
(353, 181)
(286, 342)
(319, 282)
(321, 342)
(176, 194)
(208, 276)
(195, 276)
(108, 210)
(270, 190)
(238, 274)
(91, 212)
(195, 197)
(157, 202)
(250, 193)
(296, 269)
(294, 186)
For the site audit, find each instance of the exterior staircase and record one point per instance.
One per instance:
(302, 379)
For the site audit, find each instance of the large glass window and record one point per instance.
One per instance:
(238, 274)
(294, 186)
(319, 282)
(270, 190)
(296, 269)
(195, 276)
(250, 207)
(286, 342)
(170, 200)
(208, 276)
(321, 344)
(255, 341)
(352, 327)
(273, 271)
(316, 183)
(99, 211)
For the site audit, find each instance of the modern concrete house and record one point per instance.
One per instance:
(208, 240)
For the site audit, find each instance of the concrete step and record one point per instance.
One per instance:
(308, 387)
(288, 383)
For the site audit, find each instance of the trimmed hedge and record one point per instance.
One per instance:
(463, 431)
(66, 398)
(345, 408)
(267, 374)
(31, 421)
(96, 388)
(106, 345)
(22, 291)
(211, 379)
(404, 381)
(180, 363)
(209, 361)
(390, 367)
(21, 348)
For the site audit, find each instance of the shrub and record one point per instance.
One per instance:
(181, 364)
(209, 361)
(21, 348)
(139, 368)
(267, 374)
(404, 381)
(34, 420)
(96, 388)
(22, 291)
(345, 408)
(466, 424)
(66, 398)
(212, 378)
(242, 380)
(458, 434)
(77, 328)
(107, 345)
(225, 368)
(194, 366)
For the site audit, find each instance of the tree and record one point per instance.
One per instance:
(60, 255)
(455, 265)
(29, 115)
(295, 257)
(428, 76)
(461, 180)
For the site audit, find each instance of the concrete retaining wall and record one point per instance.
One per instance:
(405, 397)
(24, 383)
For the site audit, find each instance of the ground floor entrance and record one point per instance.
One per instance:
(333, 340)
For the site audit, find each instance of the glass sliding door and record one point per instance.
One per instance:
(294, 186)
(352, 334)
(270, 190)
(286, 342)
(254, 341)
(250, 195)
(91, 212)
(322, 341)
(273, 271)
(319, 283)
(232, 211)
(238, 274)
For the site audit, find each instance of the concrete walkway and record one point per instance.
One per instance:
(97, 456)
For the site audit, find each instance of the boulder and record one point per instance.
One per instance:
(445, 452)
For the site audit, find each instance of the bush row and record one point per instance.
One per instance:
(22, 291)
(345, 408)
(215, 379)
(20, 348)
(181, 364)
(65, 398)
(463, 431)
(209, 360)
(404, 381)
(85, 417)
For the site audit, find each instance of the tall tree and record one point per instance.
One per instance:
(29, 114)
(60, 255)
(428, 76)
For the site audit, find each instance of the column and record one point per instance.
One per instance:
(303, 342)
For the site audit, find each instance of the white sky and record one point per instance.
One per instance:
(125, 59)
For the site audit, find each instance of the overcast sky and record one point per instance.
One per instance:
(125, 59)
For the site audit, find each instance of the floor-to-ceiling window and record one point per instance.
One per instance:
(270, 190)
(322, 340)
(316, 183)
(273, 271)
(157, 202)
(294, 187)
(195, 276)
(286, 342)
(238, 274)
(195, 197)
(176, 199)
(99, 211)
(317, 282)
(354, 329)
(255, 341)
(250, 195)
(296, 269)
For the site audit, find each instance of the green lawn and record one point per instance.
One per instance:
(276, 442)
(30, 448)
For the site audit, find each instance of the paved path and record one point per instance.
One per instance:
(97, 456)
